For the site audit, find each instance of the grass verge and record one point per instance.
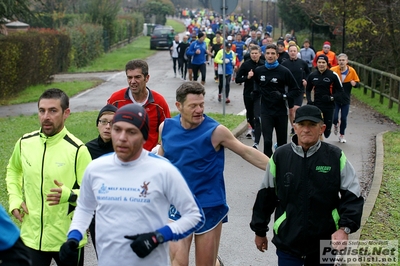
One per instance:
(392, 114)
(384, 221)
(32, 93)
(81, 124)
(116, 60)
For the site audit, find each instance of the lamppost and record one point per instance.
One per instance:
(344, 25)
(262, 11)
(251, 12)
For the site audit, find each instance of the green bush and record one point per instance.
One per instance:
(30, 58)
(87, 43)
(124, 28)
(53, 21)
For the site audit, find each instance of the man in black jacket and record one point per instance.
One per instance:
(314, 192)
(245, 74)
(327, 89)
(182, 58)
(275, 85)
(300, 71)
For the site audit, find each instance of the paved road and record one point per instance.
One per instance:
(242, 180)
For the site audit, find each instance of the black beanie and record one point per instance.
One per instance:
(323, 57)
(107, 108)
(135, 115)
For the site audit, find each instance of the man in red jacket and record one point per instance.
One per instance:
(326, 50)
(137, 74)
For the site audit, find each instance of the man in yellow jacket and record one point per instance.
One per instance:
(43, 178)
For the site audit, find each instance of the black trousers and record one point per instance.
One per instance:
(183, 66)
(268, 123)
(227, 84)
(253, 115)
(328, 119)
(17, 255)
(196, 69)
(43, 258)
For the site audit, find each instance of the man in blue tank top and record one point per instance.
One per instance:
(195, 144)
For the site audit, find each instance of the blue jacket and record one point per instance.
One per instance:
(197, 59)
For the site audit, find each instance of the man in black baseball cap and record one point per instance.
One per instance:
(309, 112)
(308, 126)
(313, 177)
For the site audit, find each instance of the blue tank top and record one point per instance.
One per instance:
(192, 152)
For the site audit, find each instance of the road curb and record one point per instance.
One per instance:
(375, 186)
(240, 129)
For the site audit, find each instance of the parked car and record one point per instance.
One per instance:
(160, 37)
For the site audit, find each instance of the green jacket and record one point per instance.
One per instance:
(38, 160)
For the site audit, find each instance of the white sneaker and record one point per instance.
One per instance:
(248, 134)
(342, 139)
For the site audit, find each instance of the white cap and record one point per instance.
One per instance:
(188, 33)
(229, 38)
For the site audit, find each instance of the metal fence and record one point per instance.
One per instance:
(385, 84)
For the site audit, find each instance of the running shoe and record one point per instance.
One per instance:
(342, 139)
(335, 130)
(275, 146)
(248, 134)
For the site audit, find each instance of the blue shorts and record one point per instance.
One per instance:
(213, 216)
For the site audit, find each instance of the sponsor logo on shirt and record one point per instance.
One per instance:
(323, 169)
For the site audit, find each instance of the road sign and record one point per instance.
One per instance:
(230, 6)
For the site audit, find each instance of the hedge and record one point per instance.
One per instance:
(31, 58)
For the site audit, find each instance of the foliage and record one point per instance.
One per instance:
(369, 27)
(87, 43)
(15, 10)
(30, 58)
(55, 20)
(103, 12)
(293, 16)
(159, 8)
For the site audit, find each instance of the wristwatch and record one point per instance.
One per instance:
(346, 230)
(159, 237)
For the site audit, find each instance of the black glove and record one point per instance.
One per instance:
(143, 244)
(69, 252)
(327, 98)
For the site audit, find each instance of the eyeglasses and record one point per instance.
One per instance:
(105, 122)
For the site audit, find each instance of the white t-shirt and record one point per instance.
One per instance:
(133, 198)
